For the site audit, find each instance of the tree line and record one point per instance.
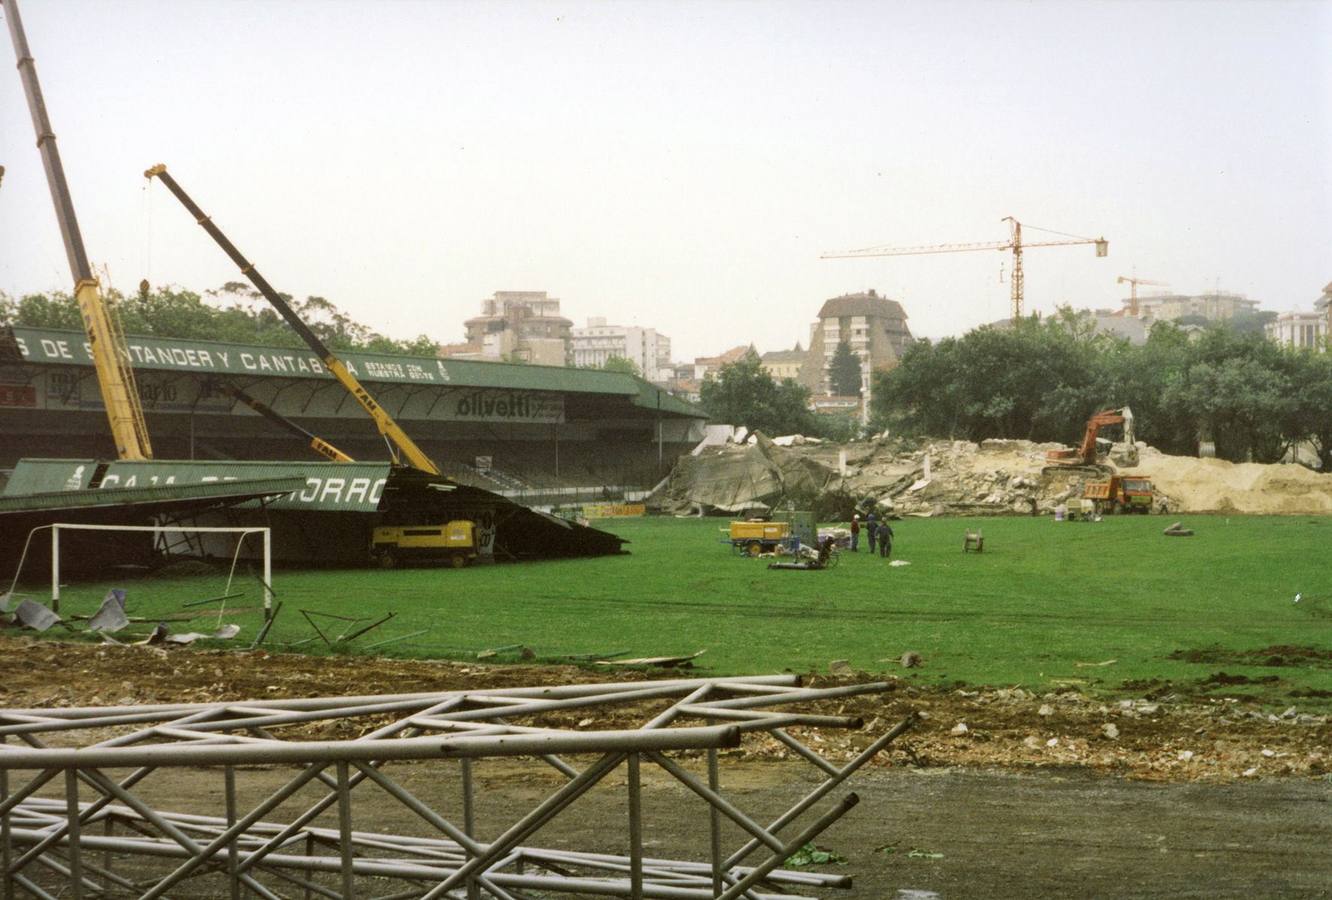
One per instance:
(234, 313)
(1042, 379)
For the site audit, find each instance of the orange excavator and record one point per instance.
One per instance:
(1085, 454)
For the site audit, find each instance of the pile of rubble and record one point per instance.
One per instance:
(934, 478)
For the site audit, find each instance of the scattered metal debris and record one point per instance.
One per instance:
(665, 662)
(225, 633)
(110, 616)
(348, 634)
(496, 651)
(31, 614)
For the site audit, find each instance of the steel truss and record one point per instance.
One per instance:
(76, 821)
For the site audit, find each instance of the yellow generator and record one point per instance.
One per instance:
(754, 536)
(454, 543)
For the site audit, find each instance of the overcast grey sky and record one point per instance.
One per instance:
(680, 165)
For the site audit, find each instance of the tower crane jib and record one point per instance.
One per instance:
(1015, 244)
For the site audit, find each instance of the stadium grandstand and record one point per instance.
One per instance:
(537, 434)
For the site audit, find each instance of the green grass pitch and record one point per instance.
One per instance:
(1043, 597)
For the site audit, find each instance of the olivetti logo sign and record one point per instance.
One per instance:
(509, 406)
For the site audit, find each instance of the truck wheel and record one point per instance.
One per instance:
(457, 560)
(387, 560)
(754, 548)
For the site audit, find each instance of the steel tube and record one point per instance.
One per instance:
(826, 787)
(636, 828)
(6, 839)
(814, 830)
(717, 801)
(270, 752)
(714, 823)
(530, 822)
(233, 851)
(231, 833)
(463, 838)
(611, 689)
(344, 833)
(75, 850)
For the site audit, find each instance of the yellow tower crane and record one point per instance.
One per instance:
(1014, 243)
(1133, 290)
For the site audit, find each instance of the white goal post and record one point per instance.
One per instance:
(243, 532)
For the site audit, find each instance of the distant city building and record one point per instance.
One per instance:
(875, 328)
(781, 364)
(523, 326)
(1324, 303)
(1307, 330)
(711, 365)
(1122, 325)
(644, 347)
(1216, 306)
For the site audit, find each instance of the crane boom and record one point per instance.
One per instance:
(1133, 289)
(106, 340)
(1014, 243)
(392, 433)
(317, 444)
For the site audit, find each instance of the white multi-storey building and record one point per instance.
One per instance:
(1307, 330)
(644, 347)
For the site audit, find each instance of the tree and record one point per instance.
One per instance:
(844, 371)
(246, 318)
(621, 364)
(744, 394)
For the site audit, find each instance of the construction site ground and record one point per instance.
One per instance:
(1191, 796)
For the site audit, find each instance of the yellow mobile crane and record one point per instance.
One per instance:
(397, 440)
(110, 354)
(454, 542)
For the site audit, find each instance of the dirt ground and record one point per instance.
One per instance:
(1038, 796)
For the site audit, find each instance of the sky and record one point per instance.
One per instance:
(680, 165)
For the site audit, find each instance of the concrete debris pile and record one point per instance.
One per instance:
(753, 477)
(994, 477)
(961, 478)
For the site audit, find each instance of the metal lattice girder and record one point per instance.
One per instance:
(102, 836)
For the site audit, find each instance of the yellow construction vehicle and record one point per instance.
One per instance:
(106, 340)
(454, 542)
(399, 444)
(755, 536)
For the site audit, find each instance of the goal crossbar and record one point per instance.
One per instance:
(242, 531)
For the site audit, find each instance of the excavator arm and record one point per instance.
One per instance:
(394, 436)
(1085, 455)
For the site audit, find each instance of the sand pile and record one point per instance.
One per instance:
(1214, 485)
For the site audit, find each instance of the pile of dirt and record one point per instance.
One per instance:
(1214, 485)
(994, 477)
(1162, 733)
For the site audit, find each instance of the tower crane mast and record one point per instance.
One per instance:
(1015, 244)
(106, 340)
(1133, 290)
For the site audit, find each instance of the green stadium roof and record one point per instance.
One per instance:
(49, 346)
